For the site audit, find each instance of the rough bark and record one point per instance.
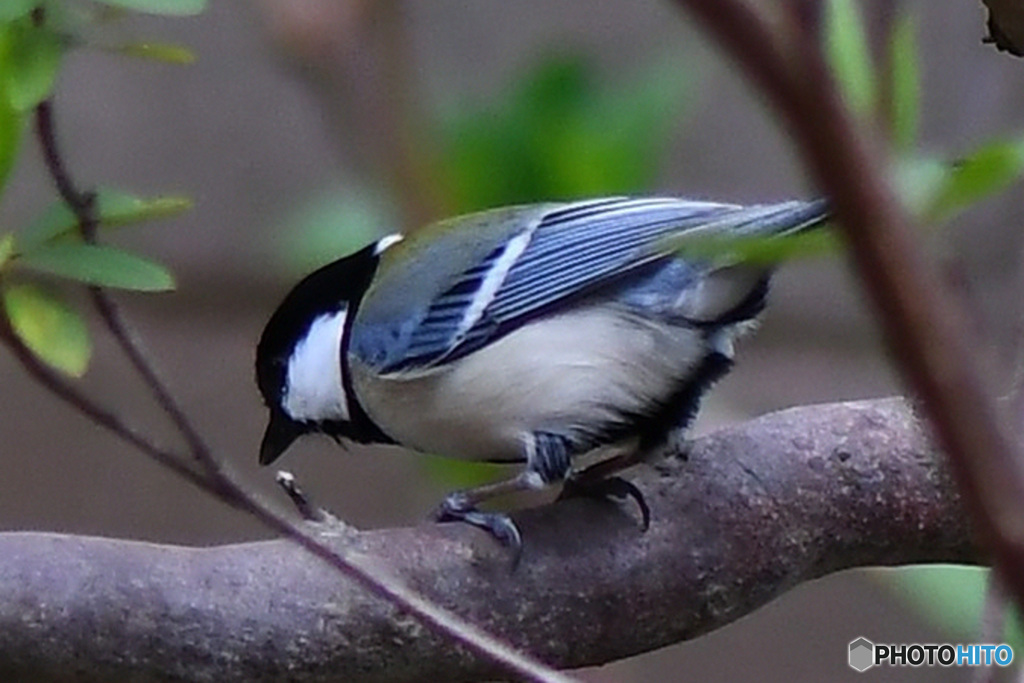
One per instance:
(752, 511)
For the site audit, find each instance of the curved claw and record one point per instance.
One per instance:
(610, 487)
(497, 524)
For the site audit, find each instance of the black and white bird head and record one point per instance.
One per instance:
(298, 359)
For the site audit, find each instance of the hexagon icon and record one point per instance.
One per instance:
(862, 654)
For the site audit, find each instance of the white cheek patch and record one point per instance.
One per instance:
(313, 390)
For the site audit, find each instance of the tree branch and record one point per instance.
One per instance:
(924, 324)
(214, 478)
(755, 510)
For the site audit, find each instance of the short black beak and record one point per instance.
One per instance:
(280, 434)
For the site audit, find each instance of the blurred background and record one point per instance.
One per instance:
(309, 127)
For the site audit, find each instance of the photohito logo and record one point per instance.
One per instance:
(863, 654)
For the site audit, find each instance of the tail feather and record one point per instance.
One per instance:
(767, 219)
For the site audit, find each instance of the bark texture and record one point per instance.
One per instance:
(752, 511)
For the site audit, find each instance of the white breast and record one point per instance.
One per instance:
(579, 368)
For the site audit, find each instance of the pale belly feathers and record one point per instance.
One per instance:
(575, 369)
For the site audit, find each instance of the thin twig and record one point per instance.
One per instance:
(925, 327)
(83, 206)
(225, 488)
(104, 417)
(216, 479)
(750, 512)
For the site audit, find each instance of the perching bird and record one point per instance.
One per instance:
(531, 334)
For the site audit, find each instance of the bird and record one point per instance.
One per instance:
(532, 334)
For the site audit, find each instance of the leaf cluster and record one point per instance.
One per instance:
(37, 260)
(886, 92)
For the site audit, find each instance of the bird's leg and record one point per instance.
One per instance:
(600, 481)
(549, 459)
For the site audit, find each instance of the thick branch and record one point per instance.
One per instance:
(754, 511)
(214, 478)
(924, 324)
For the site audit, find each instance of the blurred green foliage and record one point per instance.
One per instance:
(951, 598)
(332, 223)
(849, 53)
(935, 190)
(560, 132)
(932, 188)
(50, 251)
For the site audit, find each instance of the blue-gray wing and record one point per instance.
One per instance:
(572, 249)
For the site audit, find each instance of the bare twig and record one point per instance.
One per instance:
(104, 417)
(754, 510)
(305, 507)
(373, 577)
(83, 206)
(924, 326)
(214, 478)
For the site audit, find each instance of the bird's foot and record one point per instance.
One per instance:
(608, 487)
(457, 508)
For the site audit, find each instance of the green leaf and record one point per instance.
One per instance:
(904, 81)
(6, 249)
(846, 45)
(31, 59)
(98, 265)
(114, 208)
(15, 9)
(179, 8)
(12, 119)
(159, 52)
(987, 171)
(949, 596)
(12, 128)
(49, 327)
(767, 249)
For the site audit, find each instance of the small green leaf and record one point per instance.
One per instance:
(178, 8)
(6, 249)
(159, 52)
(12, 128)
(30, 64)
(992, 168)
(12, 119)
(767, 249)
(15, 9)
(846, 44)
(49, 327)
(904, 81)
(114, 209)
(98, 265)
(949, 596)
